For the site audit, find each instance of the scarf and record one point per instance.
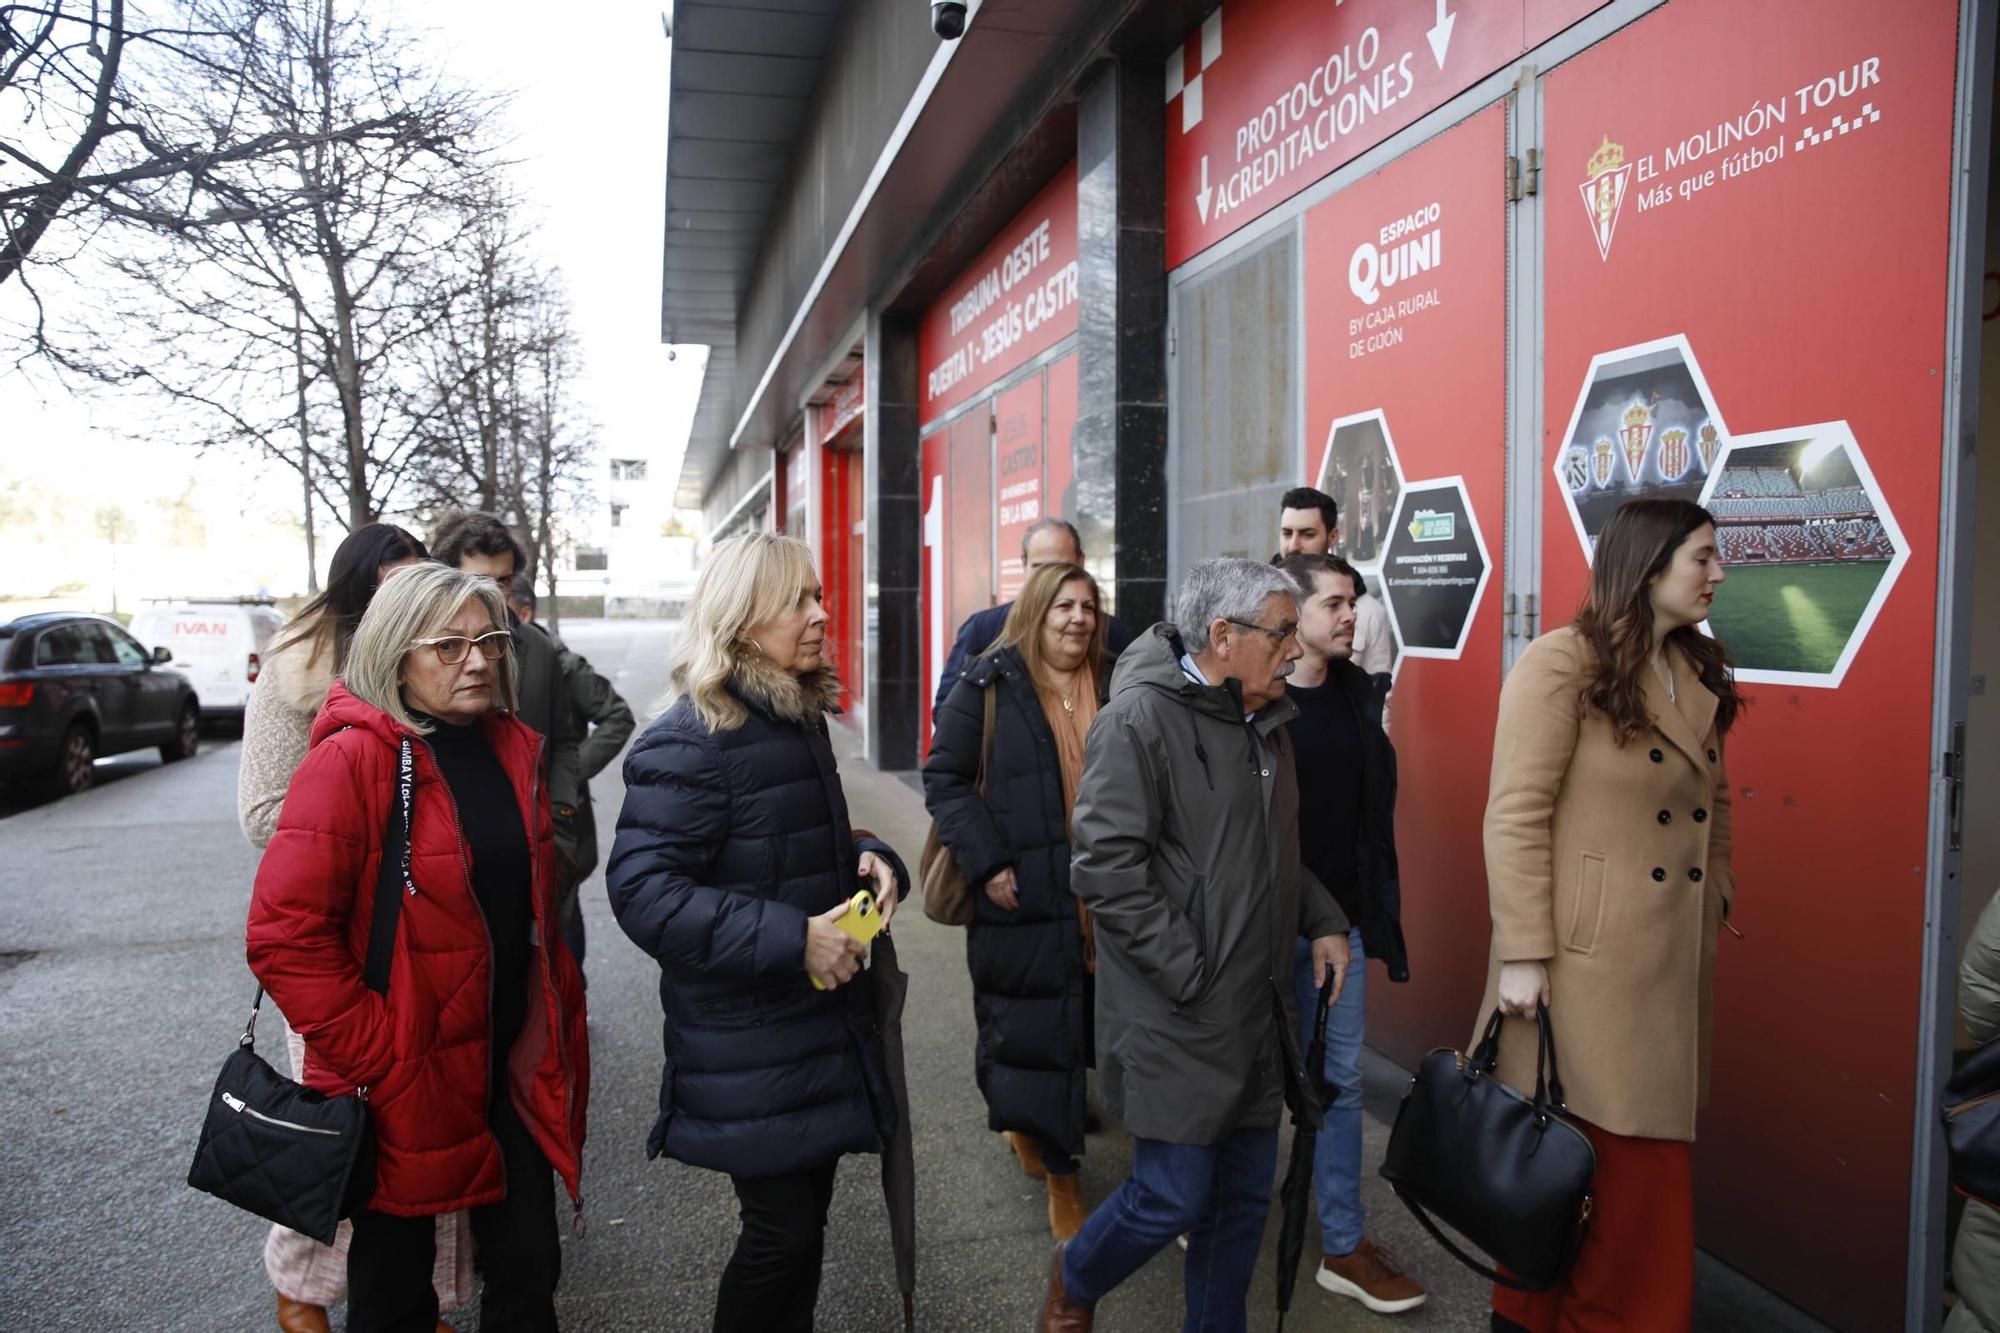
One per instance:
(1069, 726)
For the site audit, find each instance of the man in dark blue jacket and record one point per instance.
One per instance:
(1052, 541)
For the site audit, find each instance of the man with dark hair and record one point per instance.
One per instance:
(1347, 838)
(1051, 541)
(1309, 524)
(481, 544)
(602, 721)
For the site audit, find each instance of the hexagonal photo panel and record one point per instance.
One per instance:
(1434, 568)
(1363, 475)
(1644, 427)
(1810, 548)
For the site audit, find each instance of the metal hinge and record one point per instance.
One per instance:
(1522, 183)
(1173, 340)
(1528, 606)
(1511, 613)
(1954, 772)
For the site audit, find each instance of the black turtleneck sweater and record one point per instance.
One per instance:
(497, 845)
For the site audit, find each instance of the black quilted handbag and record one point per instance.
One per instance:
(278, 1149)
(1509, 1173)
(1972, 1124)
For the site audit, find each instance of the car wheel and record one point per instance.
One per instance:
(187, 736)
(74, 769)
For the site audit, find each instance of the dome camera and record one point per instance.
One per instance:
(948, 19)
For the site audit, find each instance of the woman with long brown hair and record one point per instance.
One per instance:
(1028, 947)
(1608, 868)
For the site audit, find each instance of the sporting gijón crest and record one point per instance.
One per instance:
(1603, 189)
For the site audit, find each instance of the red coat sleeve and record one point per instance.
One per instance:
(307, 890)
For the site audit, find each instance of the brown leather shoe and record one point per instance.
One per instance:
(1066, 1210)
(1371, 1277)
(1060, 1314)
(298, 1317)
(1025, 1149)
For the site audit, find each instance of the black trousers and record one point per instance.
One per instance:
(772, 1282)
(389, 1262)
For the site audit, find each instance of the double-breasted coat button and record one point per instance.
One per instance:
(1711, 756)
(1695, 874)
(1658, 758)
(1666, 816)
(1659, 875)
(1700, 816)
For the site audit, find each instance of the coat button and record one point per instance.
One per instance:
(1658, 758)
(1711, 756)
(1701, 816)
(1659, 875)
(1695, 874)
(1666, 816)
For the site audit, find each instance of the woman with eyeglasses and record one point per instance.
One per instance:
(298, 668)
(475, 1058)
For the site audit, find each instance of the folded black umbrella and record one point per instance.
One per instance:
(1296, 1193)
(899, 1168)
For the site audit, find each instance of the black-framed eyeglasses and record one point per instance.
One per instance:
(1278, 635)
(451, 649)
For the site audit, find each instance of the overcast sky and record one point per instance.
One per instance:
(588, 129)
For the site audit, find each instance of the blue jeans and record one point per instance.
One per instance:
(1218, 1194)
(1337, 1155)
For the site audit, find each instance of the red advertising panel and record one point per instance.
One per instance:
(1406, 400)
(1268, 96)
(1017, 300)
(969, 521)
(1017, 495)
(1725, 322)
(844, 408)
(933, 596)
(1060, 452)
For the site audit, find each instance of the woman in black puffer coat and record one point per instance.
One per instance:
(734, 858)
(1028, 948)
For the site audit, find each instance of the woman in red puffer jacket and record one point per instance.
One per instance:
(475, 1060)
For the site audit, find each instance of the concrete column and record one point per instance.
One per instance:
(894, 554)
(1121, 430)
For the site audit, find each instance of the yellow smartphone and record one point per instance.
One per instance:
(861, 921)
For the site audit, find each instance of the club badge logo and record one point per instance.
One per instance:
(1634, 436)
(1576, 470)
(1603, 457)
(1673, 453)
(1606, 177)
(1707, 444)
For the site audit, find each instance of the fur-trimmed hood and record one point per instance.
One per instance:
(783, 695)
(300, 678)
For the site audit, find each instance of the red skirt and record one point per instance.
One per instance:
(1635, 1270)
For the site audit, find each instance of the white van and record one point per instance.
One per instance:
(218, 643)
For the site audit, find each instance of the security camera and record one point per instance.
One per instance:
(948, 19)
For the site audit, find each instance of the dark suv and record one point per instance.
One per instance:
(75, 687)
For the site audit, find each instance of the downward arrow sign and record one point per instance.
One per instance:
(1202, 195)
(1441, 34)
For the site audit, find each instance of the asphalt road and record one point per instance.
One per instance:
(123, 986)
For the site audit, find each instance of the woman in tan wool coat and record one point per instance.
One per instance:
(1607, 864)
(277, 724)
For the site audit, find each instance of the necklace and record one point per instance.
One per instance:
(1069, 705)
(1667, 675)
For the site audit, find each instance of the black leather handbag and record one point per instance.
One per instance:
(278, 1149)
(1509, 1173)
(1972, 1124)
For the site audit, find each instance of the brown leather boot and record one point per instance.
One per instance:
(1025, 1149)
(1066, 1210)
(298, 1317)
(1060, 1314)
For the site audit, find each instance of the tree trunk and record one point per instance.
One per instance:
(305, 453)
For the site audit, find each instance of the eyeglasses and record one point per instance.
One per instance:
(1278, 635)
(451, 649)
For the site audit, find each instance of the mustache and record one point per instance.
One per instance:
(1285, 670)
